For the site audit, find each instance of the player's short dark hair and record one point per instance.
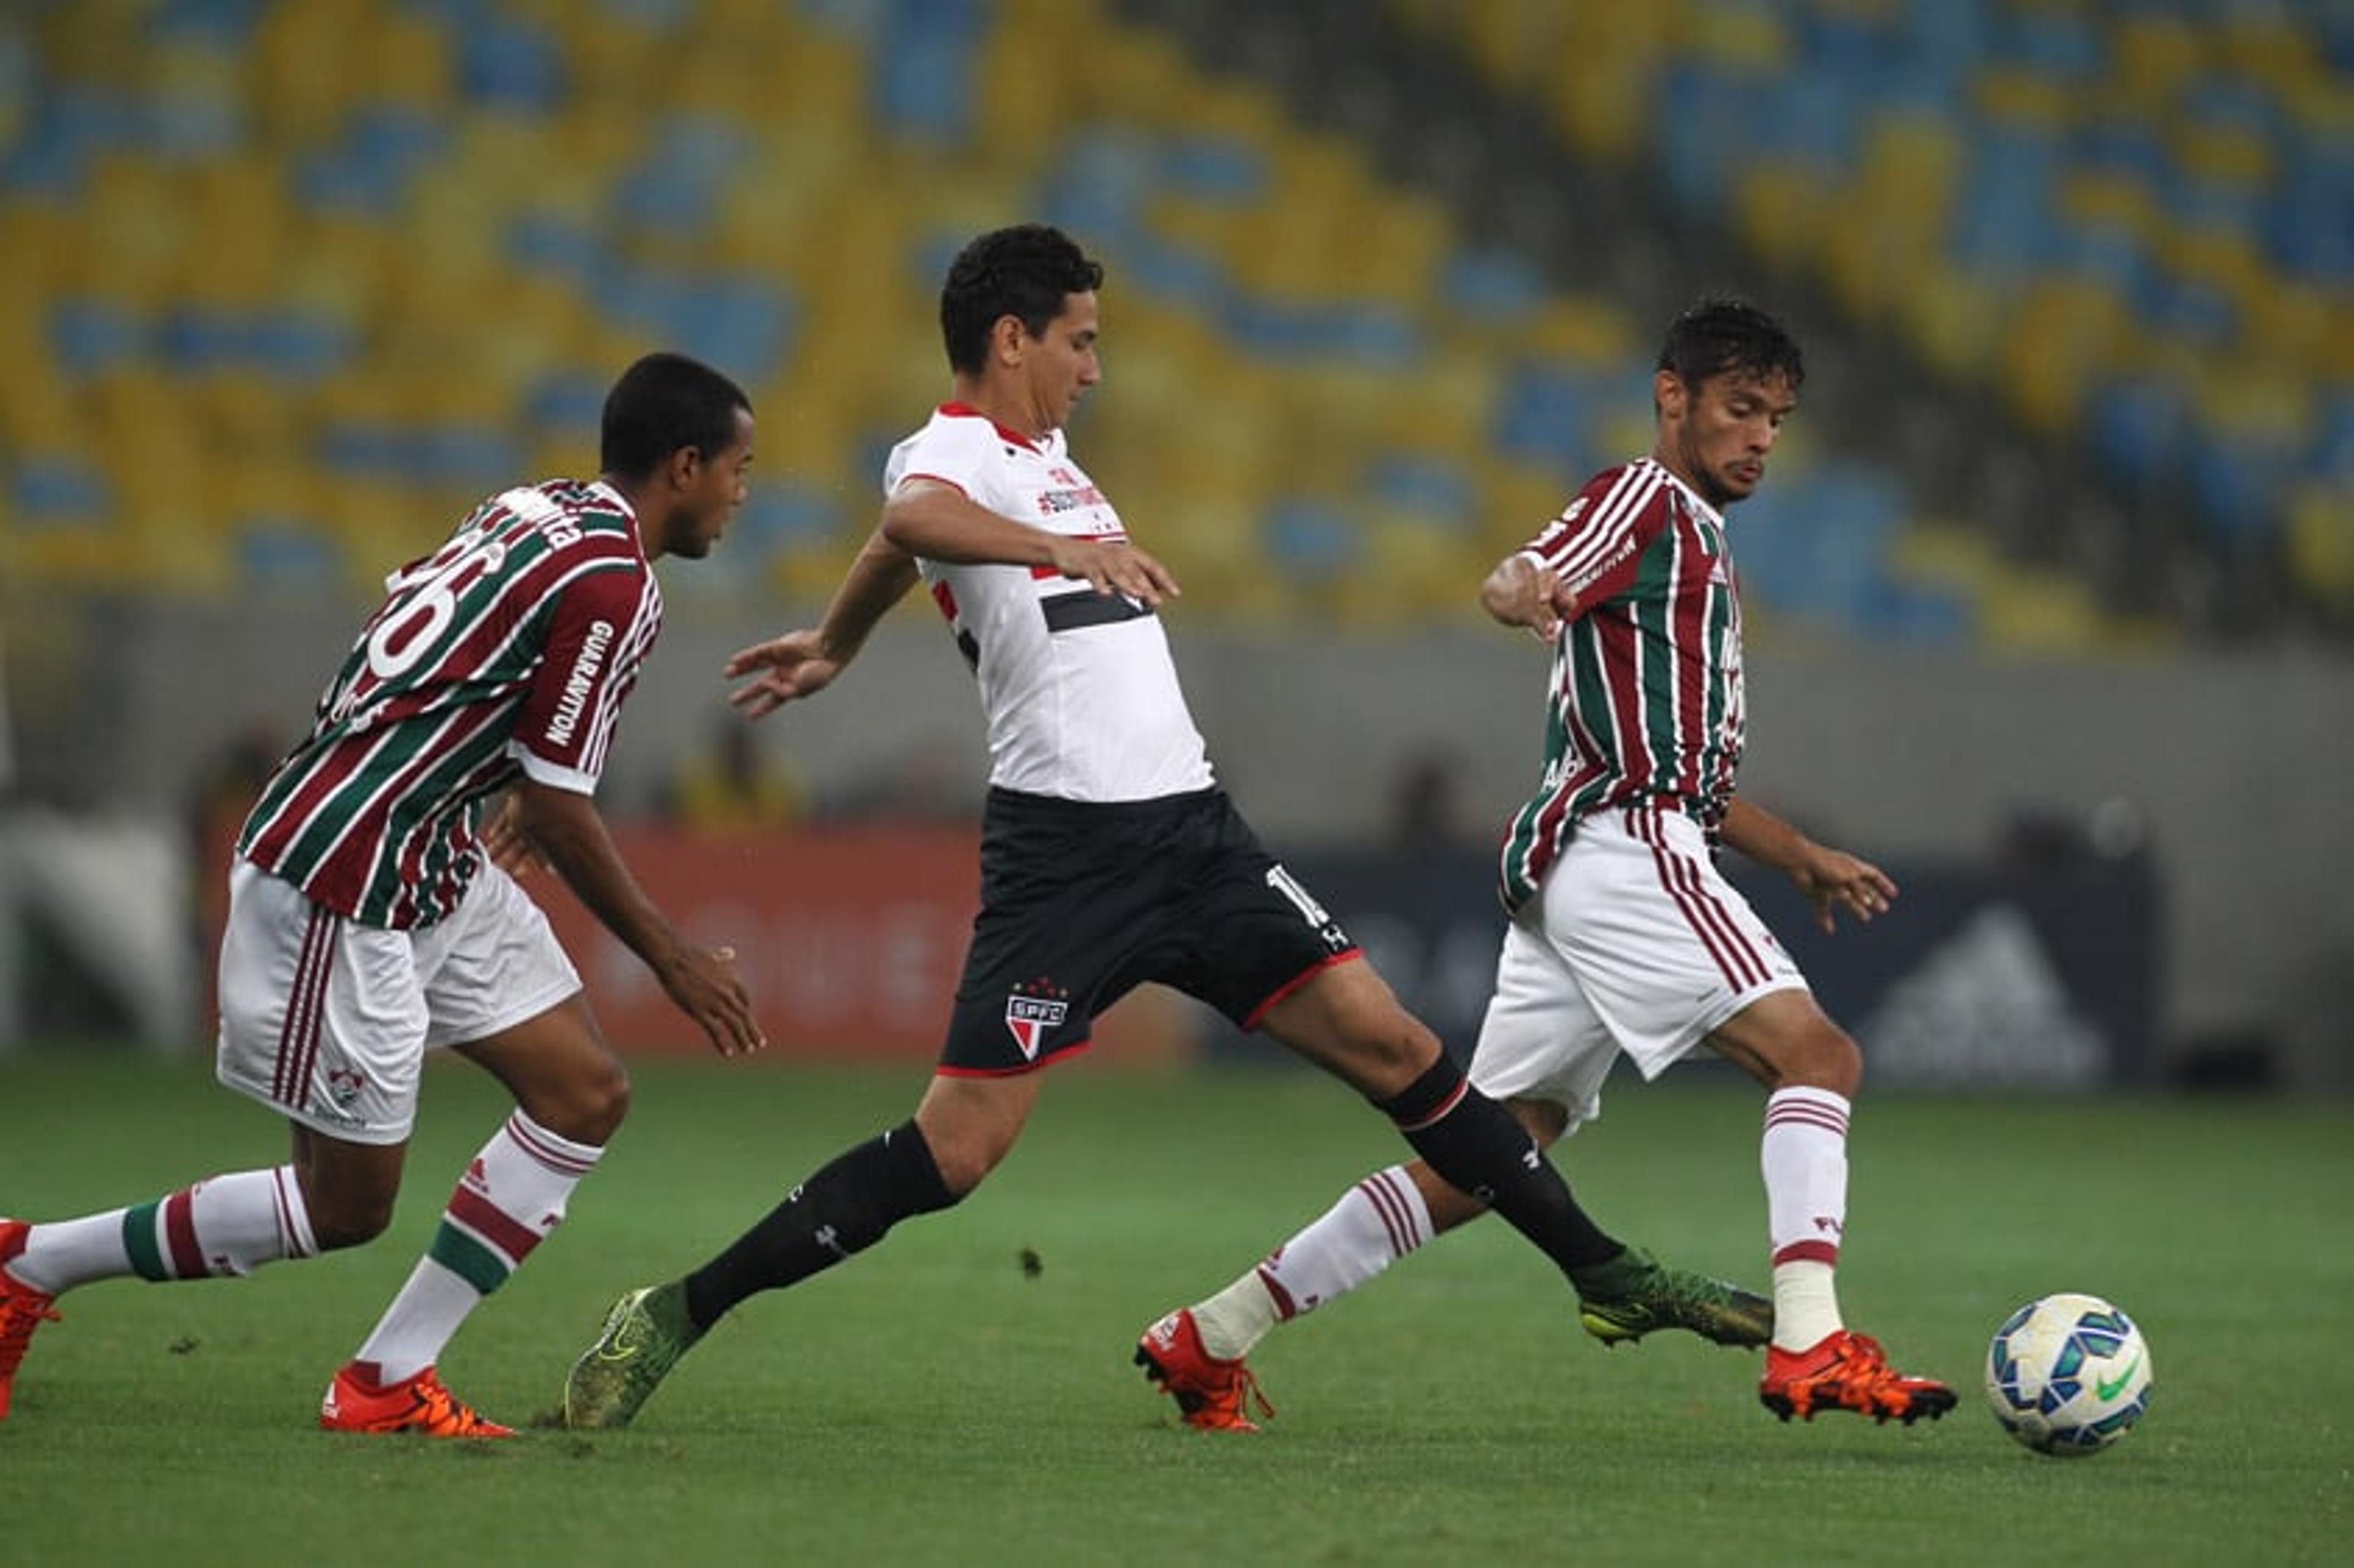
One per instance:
(1026, 272)
(663, 403)
(1721, 333)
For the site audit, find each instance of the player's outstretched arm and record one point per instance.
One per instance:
(940, 522)
(568, 830)
(803, 664)
(1832, 879)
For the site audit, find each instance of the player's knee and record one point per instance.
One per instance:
(588, 1106)
(348, 1219)
(1387, 1059)
(965, 1162)
(1828, 1059)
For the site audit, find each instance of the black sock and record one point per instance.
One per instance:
(1478, 1147)
(845, 1208)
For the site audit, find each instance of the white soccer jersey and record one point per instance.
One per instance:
(1080, 695)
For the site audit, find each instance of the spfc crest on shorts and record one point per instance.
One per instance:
(1030, 1012)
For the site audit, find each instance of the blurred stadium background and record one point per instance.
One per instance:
(2052, 589)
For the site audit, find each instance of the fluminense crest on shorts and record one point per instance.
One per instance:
(343, 1086)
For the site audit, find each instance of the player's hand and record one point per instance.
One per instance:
(1520, 593)
(704, 983)
(1116, 566)
(505, 842)
(1547, 603)
(792, 667)
(1833, 880)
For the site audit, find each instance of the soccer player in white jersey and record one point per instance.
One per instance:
(367, 924)
(1110, 856)
(1624, 937)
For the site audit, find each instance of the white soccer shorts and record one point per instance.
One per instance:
(1636, 943)
(328, 1021)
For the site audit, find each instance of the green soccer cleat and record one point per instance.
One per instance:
(1634, 1294)
(643, 1336)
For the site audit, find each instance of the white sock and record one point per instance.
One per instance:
(512, 1196)
(1376, 1223)
(1803, 1156)
(224, 1225)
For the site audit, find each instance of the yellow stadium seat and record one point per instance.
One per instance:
(1778, 211)
(2290, 324)
(2273, 48)
(408, 58)
(2258, 402)
(2321, 541)
(1734, 36)
(130, 238)
(307, 78)
(1873, 259)
(239, 221)
(1135, 75)
(2040, 613)
(1516, 503)
(37, 412)
(2062, 334)
(1953, 318)
(2234, 155)
(2017, 97)
(2154, 57)
(1602, 74)
(1586, 330)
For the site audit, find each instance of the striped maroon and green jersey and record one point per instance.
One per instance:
(1646, 680)
(510, 649)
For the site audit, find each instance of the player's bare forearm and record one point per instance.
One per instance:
(877, 580)
(1761, 836)
(939, 522)
(1832, 879)
(803, 664)
(570, 833)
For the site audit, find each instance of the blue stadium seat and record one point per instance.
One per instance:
(50, 487)
(88, 336)
(510, 62)
(1311, 541)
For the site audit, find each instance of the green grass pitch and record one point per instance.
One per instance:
(933, 1401)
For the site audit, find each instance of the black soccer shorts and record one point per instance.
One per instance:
(1082, 902)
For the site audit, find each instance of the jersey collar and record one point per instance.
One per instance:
(620, 504)
(966, 411)
(1693, 496)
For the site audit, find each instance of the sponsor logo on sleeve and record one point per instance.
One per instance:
(576, 685)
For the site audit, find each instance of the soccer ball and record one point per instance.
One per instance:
(2068, 1374)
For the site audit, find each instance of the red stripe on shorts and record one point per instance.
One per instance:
(1726, 949)
(1296, 982)
(306, 1005)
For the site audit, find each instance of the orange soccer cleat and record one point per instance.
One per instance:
(355, 1403)
(1213, 1393)
(1847, 1371)
(21, 1310)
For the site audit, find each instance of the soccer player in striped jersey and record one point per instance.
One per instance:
(369, 924)
(1110, 856)
(1623, 935)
